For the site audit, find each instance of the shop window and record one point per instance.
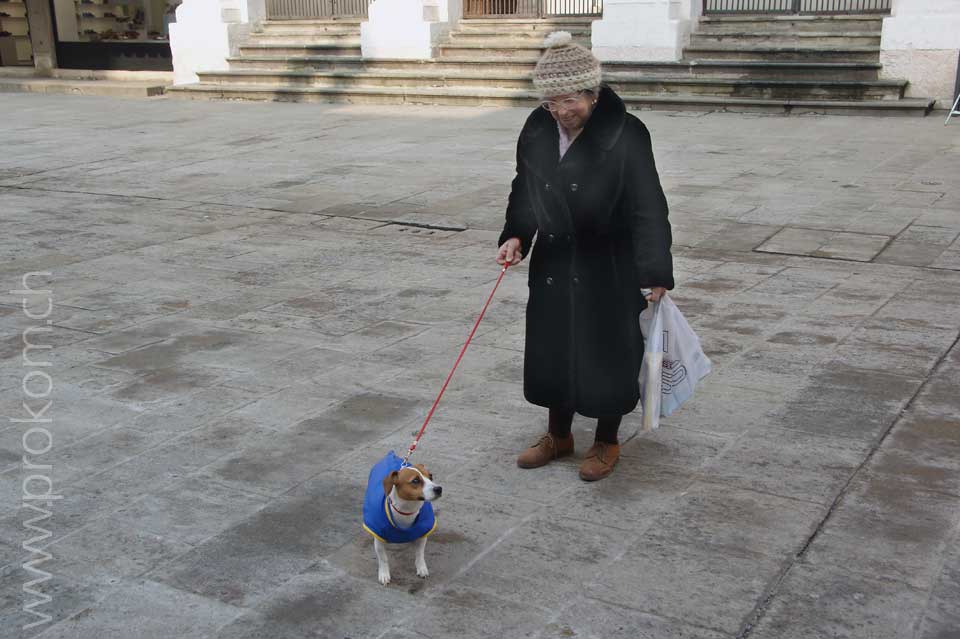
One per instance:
(114, 20)
(14, 34)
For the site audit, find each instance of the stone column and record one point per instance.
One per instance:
(920, 43)
(638, 30)
(40, 22)
(407, 28)
(253, 11)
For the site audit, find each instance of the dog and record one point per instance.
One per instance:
(397, 509)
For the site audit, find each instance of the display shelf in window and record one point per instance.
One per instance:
(15, 46)
(13, 29)
(111, 35)
(102, 7)
(114, 13)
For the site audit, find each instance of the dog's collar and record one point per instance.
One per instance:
(397, 510)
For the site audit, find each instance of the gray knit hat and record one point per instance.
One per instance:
(565, 67)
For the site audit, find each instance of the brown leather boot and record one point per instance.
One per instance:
(549, 447)
(600, 460)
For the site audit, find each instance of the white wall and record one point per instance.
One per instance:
(920, 43)
(644, 29)
(199, 39)
(407, 29)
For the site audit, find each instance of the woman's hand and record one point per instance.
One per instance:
(509, 253)
(655, 294)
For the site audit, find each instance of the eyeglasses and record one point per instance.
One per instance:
(566, 103)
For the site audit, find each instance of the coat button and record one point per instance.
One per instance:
(574, 186)
(549, 281)
(576, 280)
(551, 237)
(547, 186)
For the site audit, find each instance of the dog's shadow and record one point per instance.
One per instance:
(446, 553)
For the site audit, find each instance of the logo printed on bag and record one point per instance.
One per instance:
(673, 371)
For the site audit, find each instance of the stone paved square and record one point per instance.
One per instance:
(251, 303)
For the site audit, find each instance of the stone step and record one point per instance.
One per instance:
(308, 30)
(295, 39)
(545, 25)
(758, 69)
(497, 38)
(537, 34)
(370, 78)
(500, 49)
(737, 69)
(632, 84)
(519, 97)
(288, 50)
(769, 53)
(622, 82)
(326, 63)
(789, 24)
(276, 27)
(77, 86)
(798, 39)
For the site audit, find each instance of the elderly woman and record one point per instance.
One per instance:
(587, 188)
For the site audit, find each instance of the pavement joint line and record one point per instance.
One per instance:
(422, 225)
(952, 542)
(139, 197)
(69, 166)
(707, 479)
(686, 622)
(754, 617)
(78, 330)
(441, 586)
(907, 226)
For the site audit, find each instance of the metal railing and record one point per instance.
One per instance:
(531, 8)
(309, 9)
(780, 7)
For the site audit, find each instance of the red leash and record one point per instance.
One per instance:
(463, 350)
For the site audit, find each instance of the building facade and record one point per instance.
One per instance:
(87, 34)
(919, 40)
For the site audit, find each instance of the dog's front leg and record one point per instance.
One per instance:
(420, 563)
(383, 571)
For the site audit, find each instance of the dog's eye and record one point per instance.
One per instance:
(430, 476)
(416, 480)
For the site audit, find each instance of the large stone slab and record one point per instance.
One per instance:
(829, 244)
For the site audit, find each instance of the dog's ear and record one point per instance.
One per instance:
(390, 481)
(423, 469)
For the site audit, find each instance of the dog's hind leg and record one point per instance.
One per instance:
(420, 563)
(383, 570)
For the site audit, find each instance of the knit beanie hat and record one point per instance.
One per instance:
(565, 67)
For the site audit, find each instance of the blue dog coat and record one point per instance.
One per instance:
(377, 519)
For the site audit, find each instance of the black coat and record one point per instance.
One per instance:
(600, 219)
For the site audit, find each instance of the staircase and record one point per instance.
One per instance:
(818, 64)
(789, 64)
(484, 62)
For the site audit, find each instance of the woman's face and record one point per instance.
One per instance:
(571, 110)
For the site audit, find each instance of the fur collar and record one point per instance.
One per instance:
(602, 130)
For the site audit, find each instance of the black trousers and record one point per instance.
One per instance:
(561, 421)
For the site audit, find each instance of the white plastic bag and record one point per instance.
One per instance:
(673, 361)
(651, 376)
